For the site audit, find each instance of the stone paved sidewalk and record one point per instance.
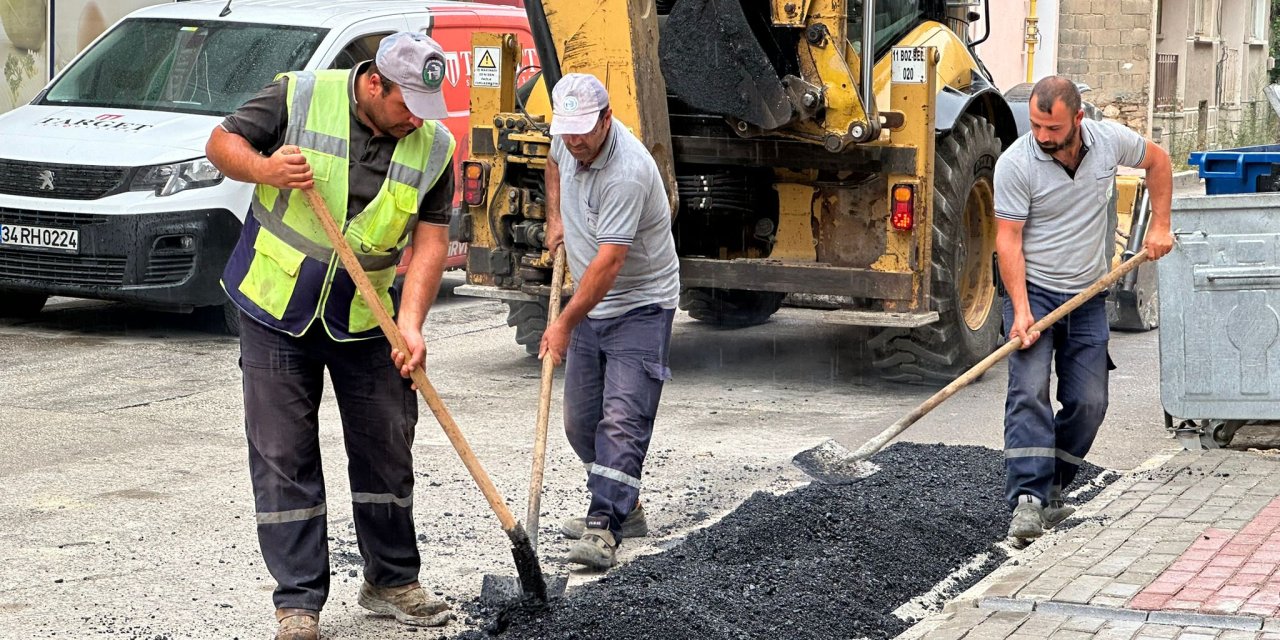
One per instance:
(1189, 549)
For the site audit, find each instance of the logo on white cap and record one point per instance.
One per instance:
(433, 72)
(571, 104)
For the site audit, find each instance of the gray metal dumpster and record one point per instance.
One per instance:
(1220, 315)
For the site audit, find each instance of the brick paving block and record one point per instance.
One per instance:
(1199, 553)
(1244, 623)
(1222, 604)
(1237, 591)
(1260, 610)
(1064, 634)
(1082, 623)
(1194, 593)
(1219, 572)
(1265, 597)
(1175, 604)
(1118, 630)
(1187, 635)
(1149, 601)
(1257, 568)
(1109, 601)
(1080, 590)
(1235, 634)
(1194, 566)
(1203, 582)
(1236, 548)
(1166, 546)
(1120, 589)
(1159, 631)
(1246, 538)
(1042, 588)
(1015, 605)
(1040, 625)
(1226, 561)
(1246, 580)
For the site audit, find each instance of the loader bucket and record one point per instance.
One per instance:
(713, 62)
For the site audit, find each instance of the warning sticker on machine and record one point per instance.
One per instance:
(488, 70)
(908, 65)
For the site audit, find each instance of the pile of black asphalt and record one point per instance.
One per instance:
(821, 561)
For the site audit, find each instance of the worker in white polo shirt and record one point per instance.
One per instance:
(1053, 189)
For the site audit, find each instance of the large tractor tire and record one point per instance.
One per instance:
(730, 307)
(530, 321)
(962, 279)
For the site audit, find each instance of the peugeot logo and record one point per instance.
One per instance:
(46, 180)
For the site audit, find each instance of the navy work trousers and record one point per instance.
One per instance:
(613, 381)
(1043, 450)
(283, 381)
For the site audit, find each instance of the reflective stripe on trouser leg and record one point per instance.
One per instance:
(1029, 439)
(379, 412)
(1082, 365)
(282, 388)
(634, 347)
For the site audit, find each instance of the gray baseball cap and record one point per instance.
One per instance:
(416, 63)
(576, 103)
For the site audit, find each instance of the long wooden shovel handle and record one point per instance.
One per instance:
(544, 406)
(419, 375)
(877, 443)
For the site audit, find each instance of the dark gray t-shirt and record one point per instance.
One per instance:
(263, 119)
(619, 199)
(1068, 221)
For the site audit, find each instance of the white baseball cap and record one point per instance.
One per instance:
(576, 103)
(416, 63)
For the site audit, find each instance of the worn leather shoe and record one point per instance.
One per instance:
(408, 604)
(597, 549)
(1053, 516)
(1027, 522)
(298, 624)
(634, 526)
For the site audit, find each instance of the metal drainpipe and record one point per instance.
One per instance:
(543, 43)
(1032, 36)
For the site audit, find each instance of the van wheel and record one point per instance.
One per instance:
(22, 305)
(223, 319)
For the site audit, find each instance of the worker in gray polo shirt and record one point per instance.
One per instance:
(606, 203)
(1053, 190)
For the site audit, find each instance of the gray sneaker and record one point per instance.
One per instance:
(635, 526)
(596, 549)
(1028, 521)
(408, 604)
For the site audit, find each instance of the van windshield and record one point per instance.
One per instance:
(186, 66)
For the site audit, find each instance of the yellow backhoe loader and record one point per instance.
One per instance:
(833, 155)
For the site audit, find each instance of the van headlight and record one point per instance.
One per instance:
(168, 179)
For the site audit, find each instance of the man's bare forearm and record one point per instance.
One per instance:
(234, 156)
(422, 279)
(595, 285)
(1013, 267)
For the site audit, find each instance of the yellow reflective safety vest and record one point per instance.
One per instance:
(284, 272)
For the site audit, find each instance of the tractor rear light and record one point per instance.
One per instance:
(474, 178)
(903, 214)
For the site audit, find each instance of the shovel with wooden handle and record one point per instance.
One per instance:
(544, 406)
(532, 581)
(832, 463)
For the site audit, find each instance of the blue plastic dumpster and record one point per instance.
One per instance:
(1240, 170)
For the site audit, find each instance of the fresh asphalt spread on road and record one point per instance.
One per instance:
(817, 562)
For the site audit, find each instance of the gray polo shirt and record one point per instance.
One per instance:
(1068, 227)
(619, 199)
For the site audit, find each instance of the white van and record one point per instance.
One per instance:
(105, 192)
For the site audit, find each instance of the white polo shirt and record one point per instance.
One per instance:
(1067, 216)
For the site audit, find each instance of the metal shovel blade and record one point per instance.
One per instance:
(501, 591)
(833, 463)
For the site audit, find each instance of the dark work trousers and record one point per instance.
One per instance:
(1044, 450)
(283, 381)
(613, 381)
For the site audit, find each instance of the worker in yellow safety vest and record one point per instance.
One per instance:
(370, 143)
